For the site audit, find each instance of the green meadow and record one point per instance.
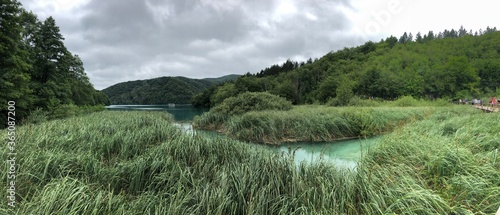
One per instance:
(431, 160)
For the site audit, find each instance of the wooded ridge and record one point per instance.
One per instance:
(451, 64)
(163, 90)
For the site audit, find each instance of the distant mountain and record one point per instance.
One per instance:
(163, 90)
(222, 79)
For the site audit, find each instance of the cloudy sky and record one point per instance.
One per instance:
(123, 40)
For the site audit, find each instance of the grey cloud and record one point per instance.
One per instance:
(122, 40)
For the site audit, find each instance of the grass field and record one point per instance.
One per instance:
(440, 162)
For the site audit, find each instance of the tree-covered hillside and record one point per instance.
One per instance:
(36, 69)
(221, 80)
(162, 90)
(450, 64)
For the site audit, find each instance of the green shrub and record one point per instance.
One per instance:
(37, 116)
(335, 102)
(64, 111)
(359, 102)
(252, 101)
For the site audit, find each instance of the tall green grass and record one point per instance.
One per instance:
(139, 163)
(404, 101)
(319, 123)
(452, 154)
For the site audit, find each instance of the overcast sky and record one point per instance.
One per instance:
(123, 40)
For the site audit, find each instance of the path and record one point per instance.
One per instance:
(487, 108)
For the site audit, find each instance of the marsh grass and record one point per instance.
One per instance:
(319, 123)
(139, 163)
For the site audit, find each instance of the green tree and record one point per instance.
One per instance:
(489, 73)
(391, 41)
(248, 84)
(252, 101)
(404, 38)
(225, 91)
(327, 89)
(345, 90)
(464, 76)
(51, 66)
(286, 89)
(419, 38)
(14, 79)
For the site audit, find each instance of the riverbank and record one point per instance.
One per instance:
(139, 162)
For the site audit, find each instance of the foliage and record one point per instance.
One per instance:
(251, 102)
(406, 101)
(358, 102)
(163, 90)
(242, 103)
(449, 64)
(14, 76)
(221, 93)
(202, 99)
(223, 79)
(37, 71)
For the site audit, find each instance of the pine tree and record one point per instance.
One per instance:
(419, 38)
(51, 66)
(462, 32)
(404, 38)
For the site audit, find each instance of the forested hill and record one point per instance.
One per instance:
(450, 64)
(162, 90)
(37, 71)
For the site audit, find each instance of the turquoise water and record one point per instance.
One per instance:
(343, 153)
(181, 112)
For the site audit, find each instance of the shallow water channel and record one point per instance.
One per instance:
(343, 153)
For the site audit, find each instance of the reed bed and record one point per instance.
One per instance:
(320, 123)
(139, 163)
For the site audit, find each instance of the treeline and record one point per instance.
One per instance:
(163, 90)
(451, 64)
(37, 71)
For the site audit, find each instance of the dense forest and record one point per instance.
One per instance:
(164, 90)
(37, 70)
(451, 64)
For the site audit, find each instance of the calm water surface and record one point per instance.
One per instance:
(183, 113)
(343, 153)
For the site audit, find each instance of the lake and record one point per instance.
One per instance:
(181, 112)
(343, 153)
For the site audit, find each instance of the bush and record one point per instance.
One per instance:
(63, 111)
(358, 102)
(335, 102)
(251, 101)
(37, 116)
